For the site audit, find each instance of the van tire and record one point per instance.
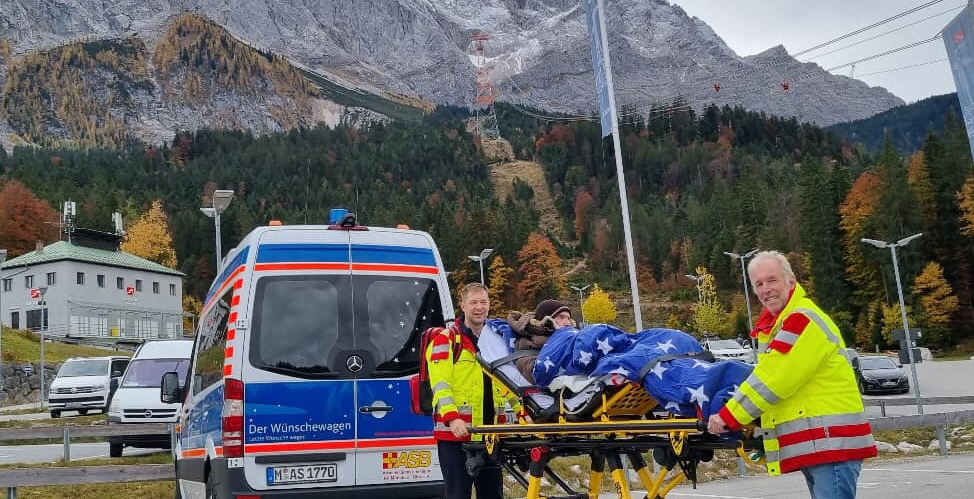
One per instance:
(212, 486)
(55, 414)
(115, 449)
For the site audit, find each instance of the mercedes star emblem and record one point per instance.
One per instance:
(354, 363)
(148, 414)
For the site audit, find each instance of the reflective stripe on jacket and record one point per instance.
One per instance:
(804, 392)
(458, 388)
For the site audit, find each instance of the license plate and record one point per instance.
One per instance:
(71, 405)
(889, 383)
(305, 473)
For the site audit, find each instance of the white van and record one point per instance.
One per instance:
(300, 384)
(137, 398)
(84, 383)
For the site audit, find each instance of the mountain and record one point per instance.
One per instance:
(906, 125)
(538, 51)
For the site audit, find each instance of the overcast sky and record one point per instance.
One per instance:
(752, 26)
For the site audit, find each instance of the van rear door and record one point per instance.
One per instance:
(398, 291)
(299, 400)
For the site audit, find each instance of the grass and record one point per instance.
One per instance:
(157, 489)
(24, 346)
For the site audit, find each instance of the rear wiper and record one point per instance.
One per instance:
(401, 372)
(297, 372)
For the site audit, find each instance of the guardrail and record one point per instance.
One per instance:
(938, 420)
(25, 477)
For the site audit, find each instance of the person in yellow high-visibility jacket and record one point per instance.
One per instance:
(802, 390)
(463, 395)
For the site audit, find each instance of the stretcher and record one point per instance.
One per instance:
(619, 421)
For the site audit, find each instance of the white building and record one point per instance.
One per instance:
(88, 287)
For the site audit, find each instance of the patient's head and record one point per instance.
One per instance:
(560, 314)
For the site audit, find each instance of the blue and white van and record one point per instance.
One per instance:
(300, 376)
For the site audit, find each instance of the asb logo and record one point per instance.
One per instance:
(409, 459)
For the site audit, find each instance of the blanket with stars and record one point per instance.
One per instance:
(684, 386)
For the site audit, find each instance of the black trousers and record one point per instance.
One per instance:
(458, 483)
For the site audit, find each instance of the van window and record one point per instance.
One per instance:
(119, 365)
(211, 344)
(147, 373)
(399, 309)
(83, 368)
(296, 323)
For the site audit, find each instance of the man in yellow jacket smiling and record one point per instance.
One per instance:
(803, 389)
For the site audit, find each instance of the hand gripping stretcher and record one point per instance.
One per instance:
(617, 420)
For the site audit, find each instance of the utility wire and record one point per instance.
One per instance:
(904, 67)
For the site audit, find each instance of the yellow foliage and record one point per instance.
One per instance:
(965, 199)
(598, 307)
(893, 319)
(539, 270)
(709, 316)
(149, 238)
(673, 322)
(191, 306)
(500, 286)
(937, 302)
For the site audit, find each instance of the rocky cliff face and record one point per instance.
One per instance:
(539, 50)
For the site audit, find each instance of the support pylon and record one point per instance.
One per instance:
(486, 118)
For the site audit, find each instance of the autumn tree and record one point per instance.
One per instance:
(24, 219)
(191, 305)
(937, 303)
(965, 198)
(539, 271)
(500, 286)
(854, 214)
(150, 238)
(708, 316)
(598, 307)
(893, 319)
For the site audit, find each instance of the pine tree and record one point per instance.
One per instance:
(539, 271)
(598, 307)
(149, 237)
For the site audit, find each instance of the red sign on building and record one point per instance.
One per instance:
(130, 290)
(35, 294)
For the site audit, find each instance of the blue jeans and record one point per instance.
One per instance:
(833, 480)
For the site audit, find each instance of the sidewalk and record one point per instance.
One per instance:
(21, 407)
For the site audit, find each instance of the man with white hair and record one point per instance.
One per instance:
(803, 390)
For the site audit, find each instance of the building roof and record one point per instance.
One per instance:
(63, 250)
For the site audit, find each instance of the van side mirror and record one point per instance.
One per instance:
(116, 374)
(170, 391)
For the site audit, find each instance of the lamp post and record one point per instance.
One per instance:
(43, 291)
(3, 258)
(580, 308)
(221, 200)
(747, 298)
(480, 258)
(899, 291)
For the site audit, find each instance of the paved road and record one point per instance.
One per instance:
(939, 477)
(52, 452)
(937, 379)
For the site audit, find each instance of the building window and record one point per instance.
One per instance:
(81, 279)
(172, 290)
(120, 282)
(51, 278)
(28, 281)
(8, 285)
(101, 281)
(138, 285)
(155, 287)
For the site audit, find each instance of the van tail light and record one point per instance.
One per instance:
(233, 420)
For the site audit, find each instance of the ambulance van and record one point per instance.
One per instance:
(301, 368)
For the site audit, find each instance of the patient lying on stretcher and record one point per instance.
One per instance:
(670, 365)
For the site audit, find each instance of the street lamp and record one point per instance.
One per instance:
(699, 280)
(221, 200)
(480, 258)
(899, 290)
(747, 298)
(3, 258)
(43, 291)
(580, 308)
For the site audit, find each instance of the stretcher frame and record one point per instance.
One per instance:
(622, 424)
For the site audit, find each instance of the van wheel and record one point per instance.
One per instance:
(115, 449)
(82, 411)
(55, 414)
(213, 486)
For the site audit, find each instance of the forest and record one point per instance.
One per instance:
(699, 184)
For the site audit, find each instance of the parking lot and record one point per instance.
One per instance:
(937, 379)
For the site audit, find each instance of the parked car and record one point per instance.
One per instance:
(728, 349)
(879, 374)
(84, 383)
(137, 399)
